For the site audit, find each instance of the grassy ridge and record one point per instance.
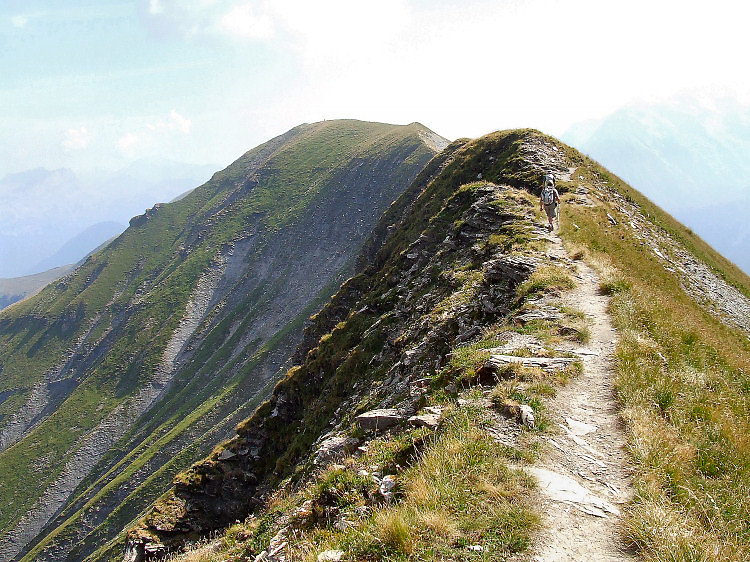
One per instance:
(457, 497)
(683, 381)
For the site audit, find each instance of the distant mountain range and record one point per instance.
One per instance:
(690, 156)
(53, 217)
(17, 288)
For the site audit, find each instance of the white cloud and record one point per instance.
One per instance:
(128, 142)
(176, 122)
(76, 139)
(343, 29)
(179, 122)
(247, 22)
(155, 7)
(19, 20)
(156, 133)
(317, 28)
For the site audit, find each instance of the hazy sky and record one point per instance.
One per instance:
(89, 84)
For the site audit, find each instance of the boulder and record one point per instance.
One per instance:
(386, 487)
(379, 420)
(430, 418)
(519, 412)
(334, 447)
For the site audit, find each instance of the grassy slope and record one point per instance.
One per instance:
(684, 385)
(441, 512)
(140, 281)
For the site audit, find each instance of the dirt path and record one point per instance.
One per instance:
(584, 474)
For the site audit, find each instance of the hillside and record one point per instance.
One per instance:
(399, 435)
(130, 368)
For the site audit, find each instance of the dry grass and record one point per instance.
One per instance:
(458, 492)
(547, 279)
(684, 391)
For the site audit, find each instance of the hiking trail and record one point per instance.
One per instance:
(584, 473)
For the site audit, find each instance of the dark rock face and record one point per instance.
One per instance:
(435, 280)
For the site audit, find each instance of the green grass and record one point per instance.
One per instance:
(457, 491)
(454, 489)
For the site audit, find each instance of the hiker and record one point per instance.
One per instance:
(550, 200)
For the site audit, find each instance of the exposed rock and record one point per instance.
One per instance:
(527, 415)
(521, 413)
(304, 512)
(386, 488)
(514, 268)
(226, 454)
(379, 420)
(562, 488)
(496, 363)
(431, 421)
(541, 314)
(334, 447)
(134, 552)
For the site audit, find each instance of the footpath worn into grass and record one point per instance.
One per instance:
(682, 373)
(584, 473)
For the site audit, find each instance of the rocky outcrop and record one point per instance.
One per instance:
(391, 325)
(379, 420)
(696, 278)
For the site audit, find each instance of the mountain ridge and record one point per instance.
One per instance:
(409, 329)
(452, 271)
(283, 199)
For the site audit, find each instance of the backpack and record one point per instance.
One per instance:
(548, 194)
(549, 179)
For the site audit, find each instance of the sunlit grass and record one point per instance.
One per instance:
(683, 388)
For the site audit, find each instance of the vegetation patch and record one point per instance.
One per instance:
(549, 278)
(456, 499)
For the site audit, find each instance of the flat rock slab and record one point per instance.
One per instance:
(431, 421)
(579, 428)
(498, 361)
(561, 488)
(379, 419)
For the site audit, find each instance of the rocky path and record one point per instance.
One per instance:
(584, 476)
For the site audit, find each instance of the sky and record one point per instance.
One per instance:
(93, 85)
